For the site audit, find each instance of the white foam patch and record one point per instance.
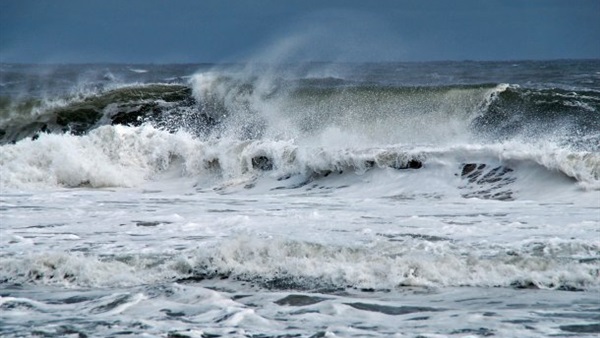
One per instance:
(107, 156)
(119, 156)
(405, 263)
(381, 264)
(76, 270)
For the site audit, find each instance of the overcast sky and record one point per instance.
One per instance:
(153, 31)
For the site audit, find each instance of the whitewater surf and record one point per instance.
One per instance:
(431, 199)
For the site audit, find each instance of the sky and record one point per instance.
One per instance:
(213, 31)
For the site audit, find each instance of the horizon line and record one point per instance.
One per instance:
(291, 62)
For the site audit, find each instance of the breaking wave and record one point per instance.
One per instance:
(213, 105)
(240, 125)
(112, 156)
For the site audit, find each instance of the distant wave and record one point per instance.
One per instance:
(137, 70)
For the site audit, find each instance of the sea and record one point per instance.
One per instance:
(422, 199)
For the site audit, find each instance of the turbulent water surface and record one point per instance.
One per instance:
(300, 200)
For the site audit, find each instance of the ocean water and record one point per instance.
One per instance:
(448, 199)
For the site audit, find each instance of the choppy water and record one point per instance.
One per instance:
(436, 199)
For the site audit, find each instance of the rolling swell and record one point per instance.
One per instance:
(391, 114)
(305, 108)
(217, 106)
(131, 105)
(534, 112)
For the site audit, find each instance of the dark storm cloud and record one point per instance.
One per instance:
(217, 31)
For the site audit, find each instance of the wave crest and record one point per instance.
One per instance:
(128, 156)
